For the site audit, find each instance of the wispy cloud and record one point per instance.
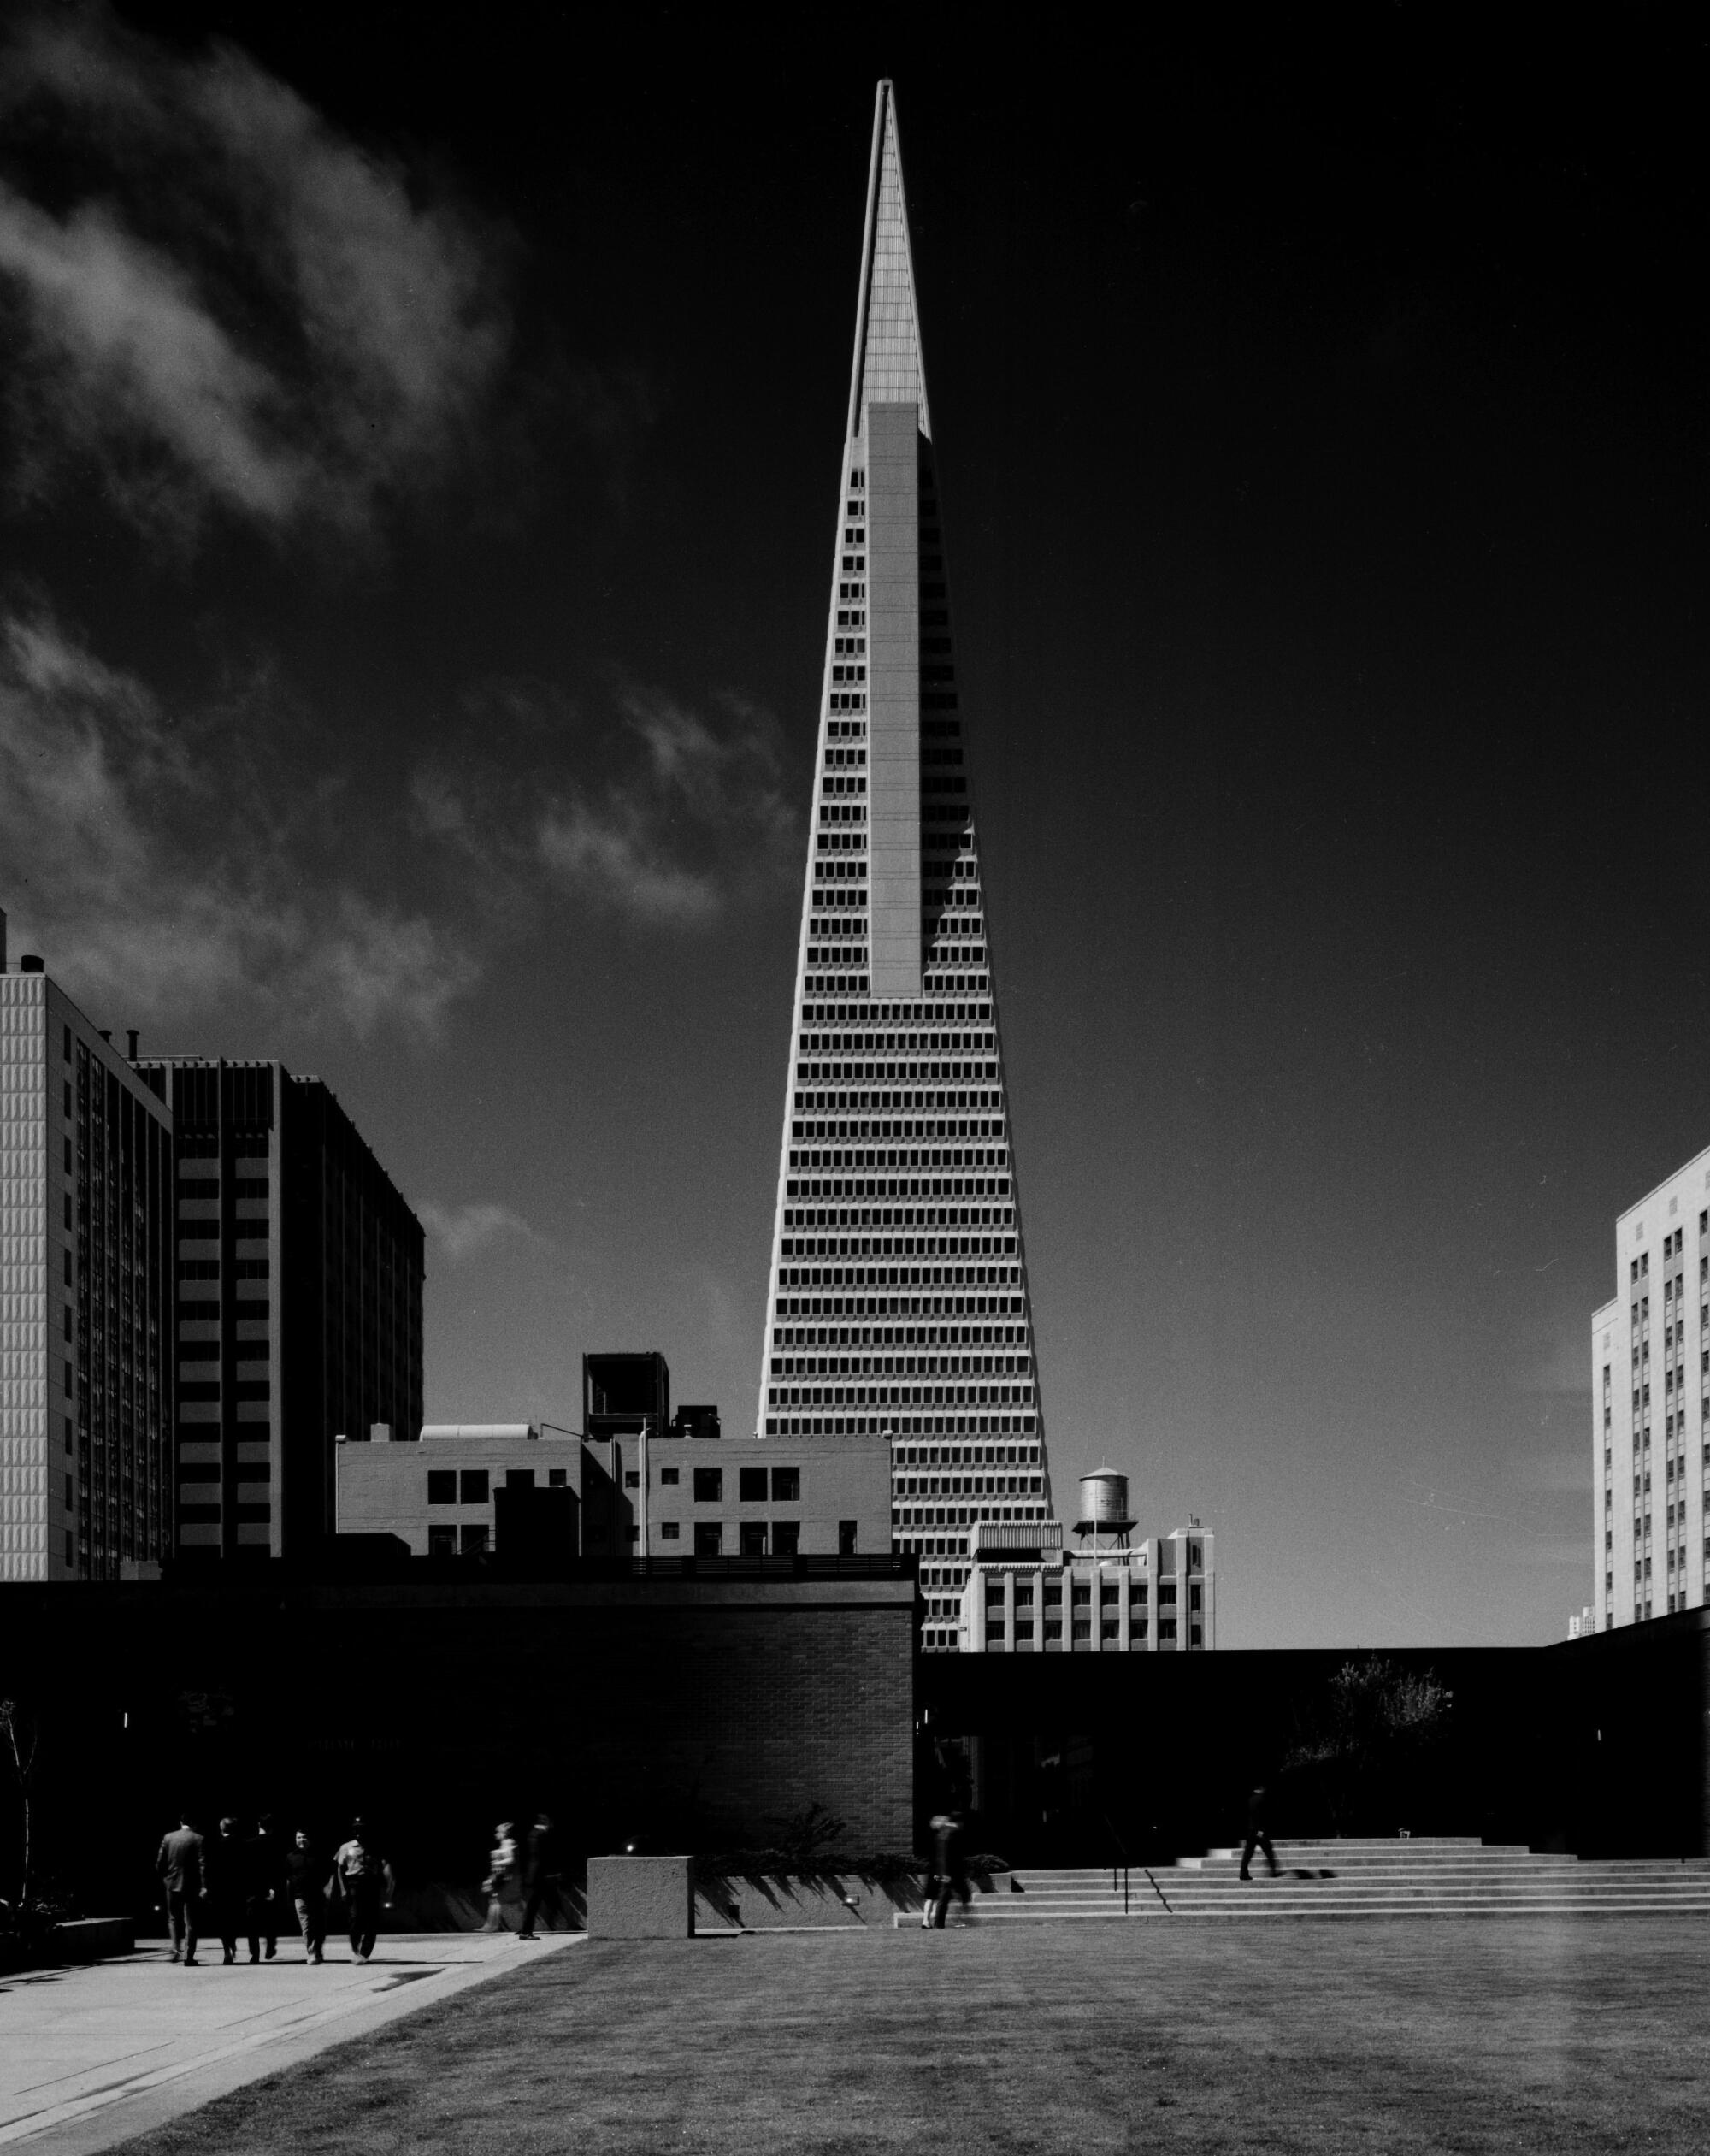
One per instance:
(460, 1231)
(246, 307)
(150, 875)
(669, 816)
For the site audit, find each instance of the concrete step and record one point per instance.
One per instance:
(1359, 1878)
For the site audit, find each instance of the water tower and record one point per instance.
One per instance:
(1104, 1510)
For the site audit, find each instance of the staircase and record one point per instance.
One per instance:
(1449, 1876)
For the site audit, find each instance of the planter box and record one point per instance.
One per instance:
(640, 1897)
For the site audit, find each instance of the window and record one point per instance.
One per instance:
(442, 1486)
(753, 1535)
(785, 1538)
(1137, 1628)
(786, 1485)
(1109, 1630)
(474, 1534)
(994, 1628)
(668, 1478)
(751, 1485)
(1110, 1591)
(1053, 1628)
(1083, 1594)
(1166, 1594)
(631, 1478)
(1195, 1638)
(519, 1478)
(557, 1478)
(473, 1490)
(709, 1490)
(708, 1534)
(1054, 1595)
(1195, 1598)
(1166, 1627)
(669, 1530)
(1083, 1628)
(846, 1538)
(442, 1542)
(1136, 1594)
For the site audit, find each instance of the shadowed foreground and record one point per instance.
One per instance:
(1382, 2036)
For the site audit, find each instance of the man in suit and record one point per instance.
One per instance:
(540, 1875)
(179, 1866)
(228, 1867)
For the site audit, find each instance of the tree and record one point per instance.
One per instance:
(1378, 1723)
(21, 1741)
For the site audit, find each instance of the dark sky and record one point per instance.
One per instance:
(421, 454)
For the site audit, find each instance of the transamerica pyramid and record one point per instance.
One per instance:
(898, 1304)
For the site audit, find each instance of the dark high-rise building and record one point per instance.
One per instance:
(299, 1273)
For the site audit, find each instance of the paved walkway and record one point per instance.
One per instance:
(89, 2056)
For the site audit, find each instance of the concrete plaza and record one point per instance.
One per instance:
(1565, 2034)
(91, 2055)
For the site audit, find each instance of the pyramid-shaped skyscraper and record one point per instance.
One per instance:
(898, 1304)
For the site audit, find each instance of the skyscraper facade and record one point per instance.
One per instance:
(1650, 1406)
(898, 1301)
(85, 1295)
(298, 1320)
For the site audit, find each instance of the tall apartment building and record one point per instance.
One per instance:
(897, 1302)
(299, 1273)
(1650, 1437)
(85, 1295)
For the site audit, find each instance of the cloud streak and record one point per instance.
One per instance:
(248, 310)
(149, 878)
(670, 817)
(462, 1231)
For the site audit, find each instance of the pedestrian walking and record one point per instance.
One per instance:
(180, 1867)
(501, 1877)
(950, 1873)
(364, 1878)
(541, 1875)
(227, 1868)
(305, 1885)
(267, 1883)
(1257, 1805)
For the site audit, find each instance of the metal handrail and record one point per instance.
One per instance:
(1121, 1850)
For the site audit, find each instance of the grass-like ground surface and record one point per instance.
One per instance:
(1532, 2034)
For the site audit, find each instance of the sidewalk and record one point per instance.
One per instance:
(91, 2056)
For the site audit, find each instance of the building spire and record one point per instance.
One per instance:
(888, 367)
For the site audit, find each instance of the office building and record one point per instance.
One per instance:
(1026, 1593)
(85, 1295)
(897, 1304)
(299, 1273)
(623, 1495)
(1156, 1596)
(1650, 1431)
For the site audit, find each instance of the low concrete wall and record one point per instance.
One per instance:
(94, 1937)
(640, 1897)
(779, 1901)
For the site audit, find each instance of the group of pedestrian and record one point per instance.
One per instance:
(233, 1885)
(522, 1874)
